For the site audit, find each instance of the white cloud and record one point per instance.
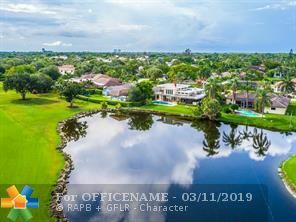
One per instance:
(57, 43)
(26, 8)
(282, 6)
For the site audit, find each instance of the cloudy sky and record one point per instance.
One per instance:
(148, 25)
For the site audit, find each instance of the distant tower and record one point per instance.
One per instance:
(188, 51)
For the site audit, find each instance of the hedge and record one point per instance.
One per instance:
(109, 102)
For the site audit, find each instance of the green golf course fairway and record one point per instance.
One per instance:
(28, 141)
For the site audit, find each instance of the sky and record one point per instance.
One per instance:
(148, 25)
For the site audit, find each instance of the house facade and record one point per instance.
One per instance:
(183, 93)
(66, 69)
(242, 99)
(118, 92)
(279, 105)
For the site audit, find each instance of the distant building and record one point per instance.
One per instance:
(66, 69)
(46, 51)
(183, 93)
(98, 80)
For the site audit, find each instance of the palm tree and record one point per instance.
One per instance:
(262, 100)
(231, 139)
(247, 88)
(234, 86)
(261, 143)
(212, 88)
(287, 85)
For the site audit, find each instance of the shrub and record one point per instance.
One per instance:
(227, 109)
(104, 105)
(234, 107)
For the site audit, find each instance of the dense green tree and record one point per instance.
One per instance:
(70, 90)
(141, 93)
(182, 72)
(41, 83)
(51, 71)
(21, 69)
(21, 83)
(154, 73)
(210, 108)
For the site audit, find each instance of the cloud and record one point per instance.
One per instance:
(282, 6)
(26, 8)
(57, 43)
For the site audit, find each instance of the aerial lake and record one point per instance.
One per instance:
(138, 150)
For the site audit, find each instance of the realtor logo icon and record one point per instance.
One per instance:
(19, 203)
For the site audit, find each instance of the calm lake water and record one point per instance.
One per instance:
(147, 149)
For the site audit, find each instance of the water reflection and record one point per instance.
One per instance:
(233, 139)
(140, 121)
(260, 143)
(147, 149)
(74, 129)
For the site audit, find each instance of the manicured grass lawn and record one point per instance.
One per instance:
(269, 121)
(292, 108)
(28, 141)
(289, 170)
(178, 109)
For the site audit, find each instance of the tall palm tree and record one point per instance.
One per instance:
(234, 87)
(231, 139)
(287, 85)
(261, 143)
(212, 88)
(262, 100)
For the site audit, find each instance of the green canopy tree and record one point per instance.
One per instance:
(141, 93)
(70, 90)
(21, 83)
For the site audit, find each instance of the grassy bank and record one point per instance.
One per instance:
(28, 141)
(288, 169)
(269, 121)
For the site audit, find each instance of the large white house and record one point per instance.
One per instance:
(172, 92)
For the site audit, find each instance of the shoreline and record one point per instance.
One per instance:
(63, 179)
(290, 187)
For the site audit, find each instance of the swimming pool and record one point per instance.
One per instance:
(249, 113)
(164, 103)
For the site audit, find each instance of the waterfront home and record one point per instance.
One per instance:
(182, 93)
(66, 69)
(118, 92)
(242, 99)
(277, 87)
(98, 80)
(279, 104)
